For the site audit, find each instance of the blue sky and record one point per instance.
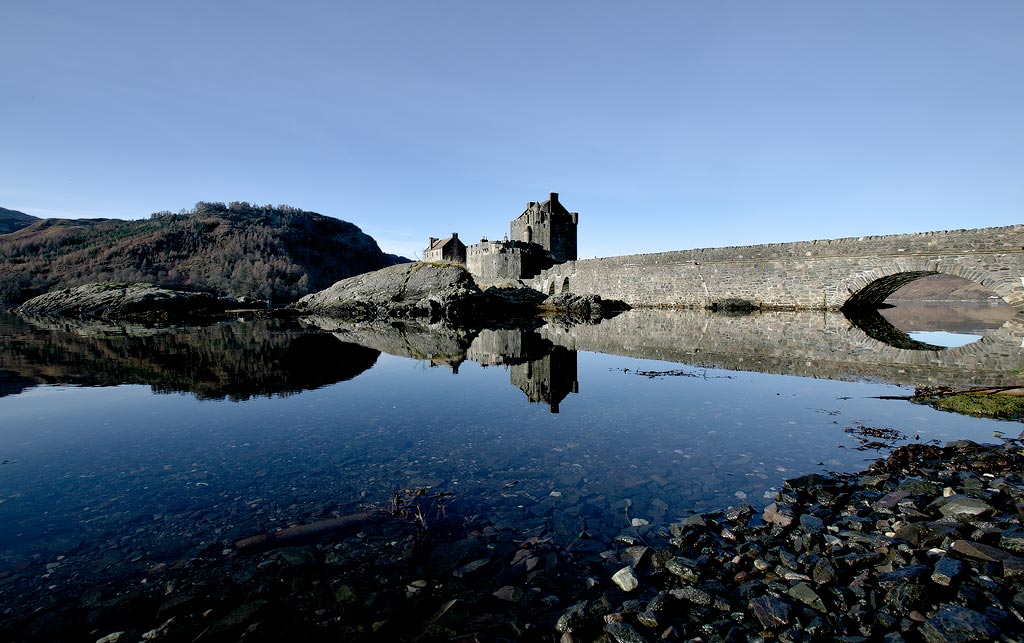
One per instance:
(667, 125)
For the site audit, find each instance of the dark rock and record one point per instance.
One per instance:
(770, 611)
(573, 619)
(692, 595)
(910, 573)
(811, 524)
(623, 633)
(509, 593)
(778, 515)
(683, 568)
(980, 551)
(824, 573)
(735, 306)
(803, 593)
(956, 624)
(238, 617)
(947, 570)
(582, 307)
(906, 597)
(965, 508)
(1013, 539)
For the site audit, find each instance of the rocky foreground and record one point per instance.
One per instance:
(926, 545)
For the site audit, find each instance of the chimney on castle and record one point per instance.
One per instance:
(455, 235)
(433, 240)
(554, 200)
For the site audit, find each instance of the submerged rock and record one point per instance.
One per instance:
(135, 302)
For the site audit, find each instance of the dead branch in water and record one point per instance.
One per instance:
(284, 536)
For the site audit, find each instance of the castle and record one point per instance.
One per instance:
(542, 236)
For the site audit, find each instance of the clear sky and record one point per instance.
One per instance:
(667, 125)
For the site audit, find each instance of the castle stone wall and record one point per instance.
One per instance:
(494, 261)
(810, 275)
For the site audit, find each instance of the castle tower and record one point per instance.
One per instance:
(549, 225)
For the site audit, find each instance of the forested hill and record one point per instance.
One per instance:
(269, 252)
(11, 220)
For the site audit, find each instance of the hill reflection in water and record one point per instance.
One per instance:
(230, 360)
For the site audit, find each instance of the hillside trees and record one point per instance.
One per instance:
(269, 252)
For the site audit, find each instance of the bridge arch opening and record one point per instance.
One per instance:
(921, 310)
(874, 294)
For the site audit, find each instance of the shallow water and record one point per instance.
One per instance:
(249, 426)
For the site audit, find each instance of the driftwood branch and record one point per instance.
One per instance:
(289, 534)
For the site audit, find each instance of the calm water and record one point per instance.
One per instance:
(149, 444)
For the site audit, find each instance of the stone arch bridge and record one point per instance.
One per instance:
(806, 275)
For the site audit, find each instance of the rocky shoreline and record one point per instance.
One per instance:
(925, 545)
(421, 290)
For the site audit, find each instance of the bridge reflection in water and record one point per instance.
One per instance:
(806, 344)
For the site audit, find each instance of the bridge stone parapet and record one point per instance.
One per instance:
(806, 275)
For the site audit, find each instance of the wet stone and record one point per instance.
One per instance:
(946, 570)
(1013, 540)
(770, 611)
(955, 624)
(811, 524)
(238, 617)
(824, 573)
(980, 551)
(509, 593)
(774, 514)
(683, 568)
(964, 508)
(905, 598)
(296, 557)
(623, 633)
(635, 555)
(626, 579)
(803, 593)
(574, 618)
(910, 573)
(647, 619)
(692, 595)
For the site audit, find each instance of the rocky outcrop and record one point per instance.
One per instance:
(414, 290)
(139, 302)
(581, 308)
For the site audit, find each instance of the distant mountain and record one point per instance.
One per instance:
(11, 220)
(278, 253)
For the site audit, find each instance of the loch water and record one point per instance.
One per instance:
(125, 447)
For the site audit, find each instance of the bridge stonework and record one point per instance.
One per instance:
(806, 275)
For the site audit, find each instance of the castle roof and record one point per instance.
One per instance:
(437, 244)
(552, 206)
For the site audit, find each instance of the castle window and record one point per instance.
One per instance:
(565, 285)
